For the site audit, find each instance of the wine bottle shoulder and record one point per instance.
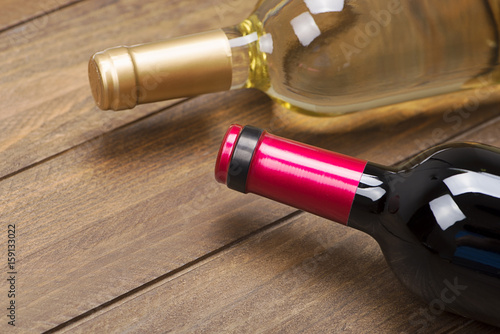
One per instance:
(438, 225)
(442, 192)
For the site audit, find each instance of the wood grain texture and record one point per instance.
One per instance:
(304, 274)
(301, 274)
(140, 202)
(33, 11)
(121, 226)
(48, 107)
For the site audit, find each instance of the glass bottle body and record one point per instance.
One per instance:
(319, 56)
(335, 56)
(438, 225)
(437, 221)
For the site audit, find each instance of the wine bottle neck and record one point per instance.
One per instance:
(213, 61)
(312, 179)
(371, 200)
(240, 46)
(123, 77)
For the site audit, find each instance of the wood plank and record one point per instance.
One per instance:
(48, 106)
(138, 203)
(100, 219)
(488, 133)
(14, 13)
(73, 211)
(415, 125)
(305, 275)
(296, 276)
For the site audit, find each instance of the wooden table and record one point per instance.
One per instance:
(120, 225)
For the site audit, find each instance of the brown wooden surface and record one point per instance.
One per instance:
(120, 224)
(35, 12)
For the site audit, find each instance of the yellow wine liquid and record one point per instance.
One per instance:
(336, 56)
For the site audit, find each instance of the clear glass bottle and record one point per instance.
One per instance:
(321, 56)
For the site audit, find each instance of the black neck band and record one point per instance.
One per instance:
(242, 157)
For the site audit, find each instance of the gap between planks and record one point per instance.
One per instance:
(192, 265)
(37, 16)
(477, 128)
(180, 271)
(171, 275)
(50, 157)
(459, 136)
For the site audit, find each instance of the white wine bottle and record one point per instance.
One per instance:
(319, 56)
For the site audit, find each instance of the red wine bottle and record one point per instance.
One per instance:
(436, 221)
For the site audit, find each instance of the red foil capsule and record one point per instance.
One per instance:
(306, 177)
(437, 221)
